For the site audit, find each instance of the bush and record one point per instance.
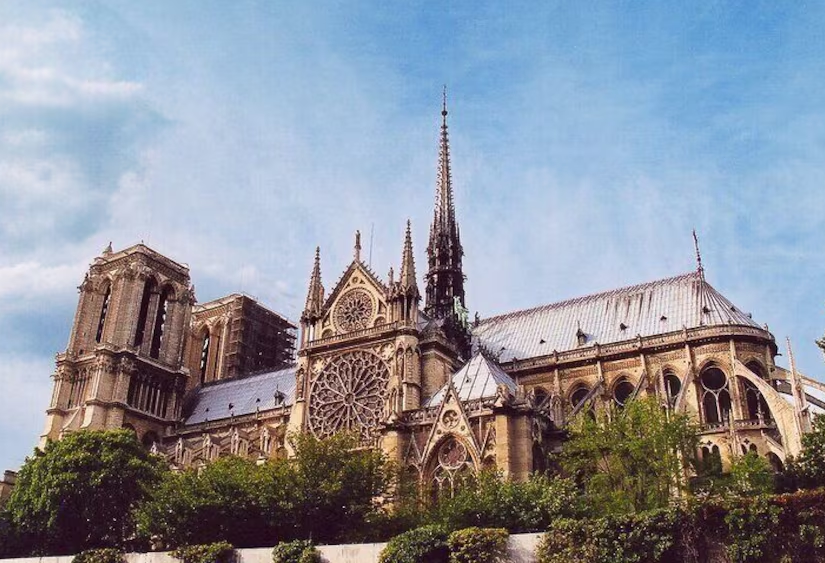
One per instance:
(218, 552)
(634, 538)
(491, 501)
(297, 551)
(104, 555)
(427, 544)
(478, 545)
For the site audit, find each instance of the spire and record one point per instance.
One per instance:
(407, 275)
(445, 278)
(315, 295)
(699, 268)
(444, 214)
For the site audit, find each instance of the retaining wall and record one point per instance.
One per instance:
(521, 548)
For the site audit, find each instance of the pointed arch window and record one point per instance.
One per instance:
(756, 403)
(140, 333)
(454, 466)
(204, 356)
(673, 385)
(160, 323)
(104, 309)
(715, 393)
(622, 393)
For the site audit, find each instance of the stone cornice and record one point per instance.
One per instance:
(649, 344)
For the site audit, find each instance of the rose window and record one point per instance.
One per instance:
(348, 395)
(354, 310)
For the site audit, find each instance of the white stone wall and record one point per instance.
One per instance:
(521, 549)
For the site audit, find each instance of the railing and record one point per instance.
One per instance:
(371, 331)
(744, 424)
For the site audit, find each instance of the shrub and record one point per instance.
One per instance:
(637, 538)
(491, 501)
(297, 551)
(478, 545)
(103, 555)
(427, 544)
(218, 552)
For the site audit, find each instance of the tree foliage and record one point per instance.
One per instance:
(327, 490)
(80, 491)
(810, 465)
(632, 459)
(492, 501)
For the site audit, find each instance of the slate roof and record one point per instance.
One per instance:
(647, 309)
(245, 394)
(477, 379)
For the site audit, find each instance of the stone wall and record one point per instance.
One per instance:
(521, 549)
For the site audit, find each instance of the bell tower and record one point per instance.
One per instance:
(123, 364)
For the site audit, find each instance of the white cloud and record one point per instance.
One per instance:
(22, 411)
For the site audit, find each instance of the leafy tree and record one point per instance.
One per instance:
(491, 501)
(335, 486)
(751, 475)
(633, 459)
(810, 465)
(326, 492)
(80, 491)
(224, 501)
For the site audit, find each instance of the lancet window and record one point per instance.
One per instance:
(453, 466)
(104, 308)
(715, 395)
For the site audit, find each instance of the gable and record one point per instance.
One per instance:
(358, 302)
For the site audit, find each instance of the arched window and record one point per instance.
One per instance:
(757, 406)
(622, 393)
(541, 399)
(148, 290)
(715, 395)
(160, 323)
(101, 323)
(578, 396)
(204, 357)
(673, 385)
(453, 466)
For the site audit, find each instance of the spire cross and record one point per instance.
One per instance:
(699, 267)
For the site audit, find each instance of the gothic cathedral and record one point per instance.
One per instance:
(441, 394)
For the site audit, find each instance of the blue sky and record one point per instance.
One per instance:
(588, 139)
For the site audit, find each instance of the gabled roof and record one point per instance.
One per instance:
(658, 307)
(246, 395)
(339, 285)
(477, 379)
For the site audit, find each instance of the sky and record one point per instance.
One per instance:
(588, 140)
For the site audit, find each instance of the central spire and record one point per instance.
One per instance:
(445, 278)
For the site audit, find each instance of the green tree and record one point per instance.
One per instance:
(80, 491)
(810, 465)
(335, 486)
(491, 501)
(632, 459)
(751, 475)
(224, 501)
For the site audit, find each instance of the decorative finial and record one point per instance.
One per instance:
(108, 250)
(391, 276)
(444, 102)
(357, 246)
(699, 267)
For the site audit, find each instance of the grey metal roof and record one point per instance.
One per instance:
(647, 309)
(246, 395)
(477, 379)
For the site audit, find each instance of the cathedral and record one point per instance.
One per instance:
(399, 362)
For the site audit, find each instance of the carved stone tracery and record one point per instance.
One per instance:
(349, 395)
(354, 310)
